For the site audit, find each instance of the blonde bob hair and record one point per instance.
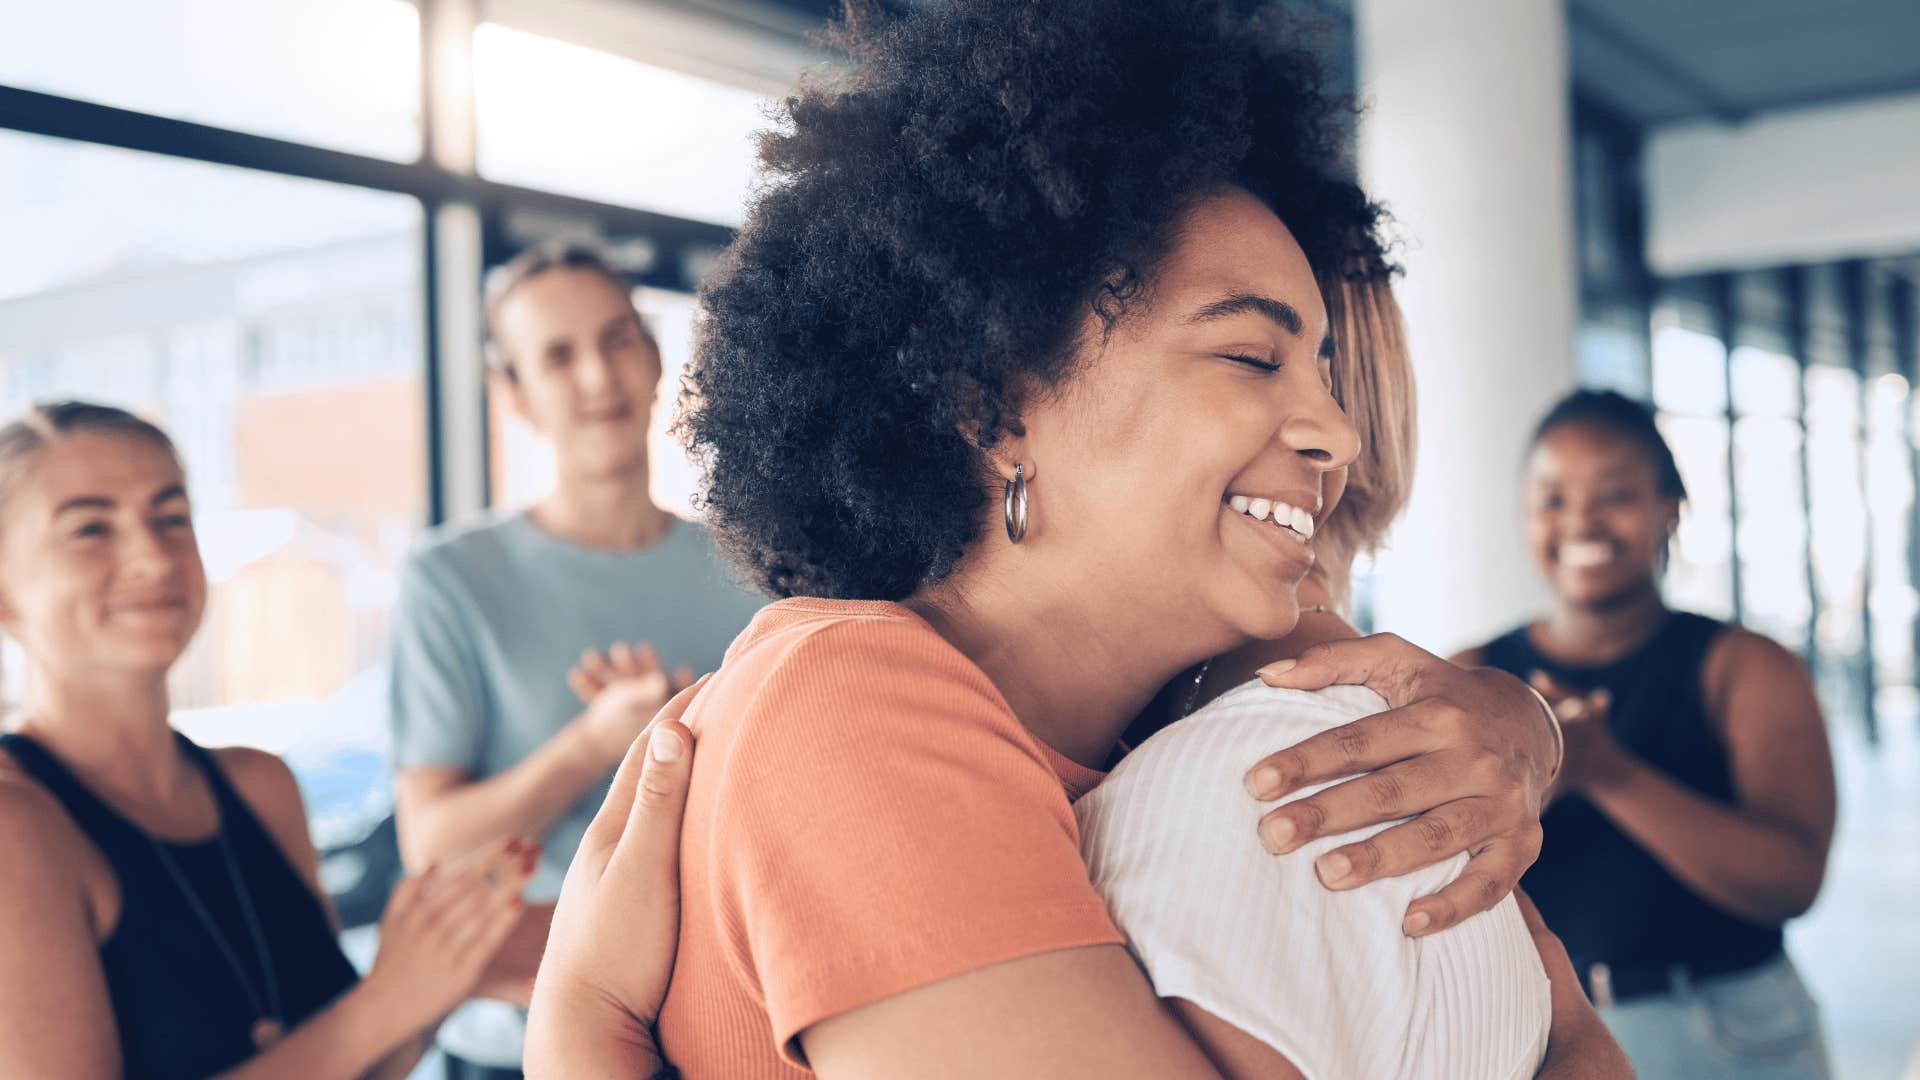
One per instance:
(1373, 382)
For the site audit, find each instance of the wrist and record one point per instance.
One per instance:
(586, 752)
(1557, 738)
(1610, 769)
(386, 1013)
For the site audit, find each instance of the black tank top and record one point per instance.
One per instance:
(1607, 898)
(180, 1008)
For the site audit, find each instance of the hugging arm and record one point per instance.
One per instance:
(1468, 754)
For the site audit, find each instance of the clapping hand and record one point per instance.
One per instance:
(623, 688)
(1592, 751)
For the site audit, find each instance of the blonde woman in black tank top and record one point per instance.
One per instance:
(160, 909)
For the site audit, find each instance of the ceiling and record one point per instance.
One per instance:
(1656, 61)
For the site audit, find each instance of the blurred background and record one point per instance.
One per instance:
(264, 223)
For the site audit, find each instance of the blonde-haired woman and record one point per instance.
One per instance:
(161, 913)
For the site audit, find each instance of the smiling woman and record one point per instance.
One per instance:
(1697, 807)
(1051, 258)
(168, 920)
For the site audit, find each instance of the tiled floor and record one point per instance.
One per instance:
(1860, 945)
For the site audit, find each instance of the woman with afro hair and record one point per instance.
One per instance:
(1022, 330)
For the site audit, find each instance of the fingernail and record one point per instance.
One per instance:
(1276, 669)
(666, 746)
(1277, 833)
(1264, 783)
(1333, 867)
(1415, 923)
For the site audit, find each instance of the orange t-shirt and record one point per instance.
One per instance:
(866, 816)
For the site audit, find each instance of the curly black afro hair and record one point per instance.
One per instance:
(934, 228)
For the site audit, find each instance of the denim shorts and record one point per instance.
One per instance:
(1757, 1024)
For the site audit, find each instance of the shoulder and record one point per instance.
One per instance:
(267, 786)
(1495, 649)
(449, 550)
(31, 819)
(865, 707)
(869, 657)
(36, 831)
(1738, 659)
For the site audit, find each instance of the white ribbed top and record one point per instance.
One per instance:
(1327, 978)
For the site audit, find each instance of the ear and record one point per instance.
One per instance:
(1007, 454)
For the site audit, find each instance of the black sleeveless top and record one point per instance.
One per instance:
(180, 1008)
(1601, 892)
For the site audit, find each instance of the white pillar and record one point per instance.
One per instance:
(1467, 139)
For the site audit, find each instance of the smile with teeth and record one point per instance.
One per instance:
(1582, 554)
(1294, 521)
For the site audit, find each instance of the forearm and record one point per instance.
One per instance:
(1579, 1046)
(399, 1064)
(359, 1031)
(577, 1031)
(1760, 870)
(524, 800)
(1586, 1050)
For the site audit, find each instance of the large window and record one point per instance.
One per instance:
(336, 73)
(252, 315)
(1800, 448)
(556, 115)
(297, 310)
(1689, 387)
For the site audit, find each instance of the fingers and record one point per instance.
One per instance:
(584, 686)
(1441, 833)
(1570, 705)
(650, 844)
(1414, 786)
(611, 820)
(482, 924)
(683, 677)
(640, 660)
(407, 893)
(1370, 742)
(511, 861)
(603, 833)
(620, 655)
(1549, 686)
(1384, 663)
(597, 667)
(1490, 875)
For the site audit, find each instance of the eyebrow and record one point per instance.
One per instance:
(1278, 312)
(101, 502)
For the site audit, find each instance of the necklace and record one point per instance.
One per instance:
(1192, 696)
(268, 1029)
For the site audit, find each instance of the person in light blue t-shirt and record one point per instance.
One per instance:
(530, 648)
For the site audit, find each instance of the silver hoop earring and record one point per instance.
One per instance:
(1015, 505)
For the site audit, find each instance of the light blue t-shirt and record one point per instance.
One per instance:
(491, 616)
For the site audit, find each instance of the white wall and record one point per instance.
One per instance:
(1806, 185)
(1467, 138)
